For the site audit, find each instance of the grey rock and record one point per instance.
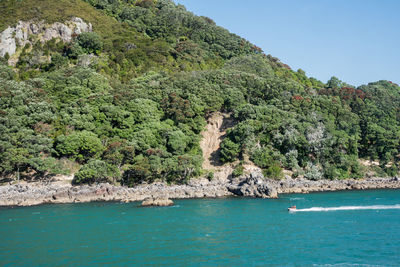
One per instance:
(43, 32)
(253, 185)
(81, 26)
(130, 46)
(34, 28)
(7, 42)
(86, 60)
(159, 202)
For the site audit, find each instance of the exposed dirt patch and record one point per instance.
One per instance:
(369, 163)
(215, 132)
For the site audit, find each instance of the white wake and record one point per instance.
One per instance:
(375, 207)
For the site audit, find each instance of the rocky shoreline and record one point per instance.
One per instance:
(287, 186)
(253, 185)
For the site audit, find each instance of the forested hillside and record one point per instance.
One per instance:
(126, 101)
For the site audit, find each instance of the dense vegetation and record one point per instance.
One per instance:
(127, 103)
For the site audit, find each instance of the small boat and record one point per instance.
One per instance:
(292, 208)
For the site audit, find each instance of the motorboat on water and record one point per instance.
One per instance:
(292, 208)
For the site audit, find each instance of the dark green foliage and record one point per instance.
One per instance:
(263, 157)
(58, 61)
(119, 152)
(177, 142)
(91, 42)
(172, 169)
(6, 72)
(82, 146)
(229, 150)
(392, 170)
(24, 116)
(238, 171)
(210, 176)
(96, 171)
(274, 171)
(74, 50)
(164, 19)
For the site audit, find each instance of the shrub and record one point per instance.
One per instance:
(238, 171)
(91, 42)
(210, 176)
(298, 172)
(6, 72)
(379, 172)
(262, 157)
(392, 170)
(74, 51)
(291, 159)
(313, 172)
(274, 171)
(269, 160)
(96, 171)
(357, 170)
(333, 172)
(233, 99)
(145, 3)
(137, 173)
(58, 61)
(229, 150)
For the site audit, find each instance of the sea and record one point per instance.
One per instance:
(347, 228)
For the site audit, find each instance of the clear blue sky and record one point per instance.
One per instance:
(356, 40)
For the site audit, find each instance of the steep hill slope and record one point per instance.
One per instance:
(55, 11)
(127, 100)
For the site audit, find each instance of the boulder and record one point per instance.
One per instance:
(254, 185)
(159, 202)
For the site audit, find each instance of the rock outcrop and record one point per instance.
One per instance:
(23, 32)
(253, 185)
(158, 202)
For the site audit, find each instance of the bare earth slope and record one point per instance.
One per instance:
(215, 132)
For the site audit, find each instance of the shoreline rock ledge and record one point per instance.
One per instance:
(251, 185)
(157, 202)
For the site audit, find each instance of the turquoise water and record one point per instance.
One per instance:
(207, 232)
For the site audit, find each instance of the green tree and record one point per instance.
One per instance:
(82, 146)
(91, 42)
(96, 171)
(229, 150)
(177, 142)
